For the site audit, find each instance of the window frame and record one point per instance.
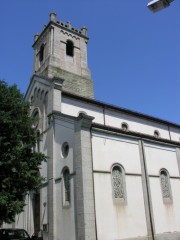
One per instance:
(41, 53)
(65, 150)
(69, 48)
(166, 199)
(66, 202)
(119, 200)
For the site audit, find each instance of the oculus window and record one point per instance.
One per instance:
(65, 149)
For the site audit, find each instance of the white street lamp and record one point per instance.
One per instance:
(157, 5)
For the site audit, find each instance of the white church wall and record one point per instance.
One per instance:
(43, 170)
(64, 215)
(135, 124)
(161, 156)
(25, 219)
(73, 107)
(175, 134)
(108, 150)
(21, 219)
(176, 200)
(64, 131)
(115, 119)
(118, 220)
(166, 215)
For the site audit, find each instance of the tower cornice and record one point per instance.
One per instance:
(64, 26)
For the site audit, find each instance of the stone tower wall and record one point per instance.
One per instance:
(56, 63)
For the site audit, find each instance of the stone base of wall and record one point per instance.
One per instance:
(163, 236)
(168, 236)
(137, 238)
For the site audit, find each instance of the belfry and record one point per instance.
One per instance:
(61, 51)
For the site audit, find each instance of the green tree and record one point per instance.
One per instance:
(19, 163)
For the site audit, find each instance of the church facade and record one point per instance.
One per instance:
(111, 173)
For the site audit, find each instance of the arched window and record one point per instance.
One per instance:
(69, 48)
(41, 53)
(66, 187)
(118, 184)
(165, 186)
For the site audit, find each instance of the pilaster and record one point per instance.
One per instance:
(54, 101)
(51, 181)
(146, 192)
(178, 158)
(85, 209)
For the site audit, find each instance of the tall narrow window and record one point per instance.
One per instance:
(66, 188)
(38, 140)
(165, 186)
(45, 110)
(69, 48)
(41, 53)
(118, 184)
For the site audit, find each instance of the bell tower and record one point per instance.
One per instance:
(60, 50)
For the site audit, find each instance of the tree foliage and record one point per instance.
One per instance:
(19, 163)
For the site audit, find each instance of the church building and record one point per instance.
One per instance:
(111, 173)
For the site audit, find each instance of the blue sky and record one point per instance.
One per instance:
(133, 54)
